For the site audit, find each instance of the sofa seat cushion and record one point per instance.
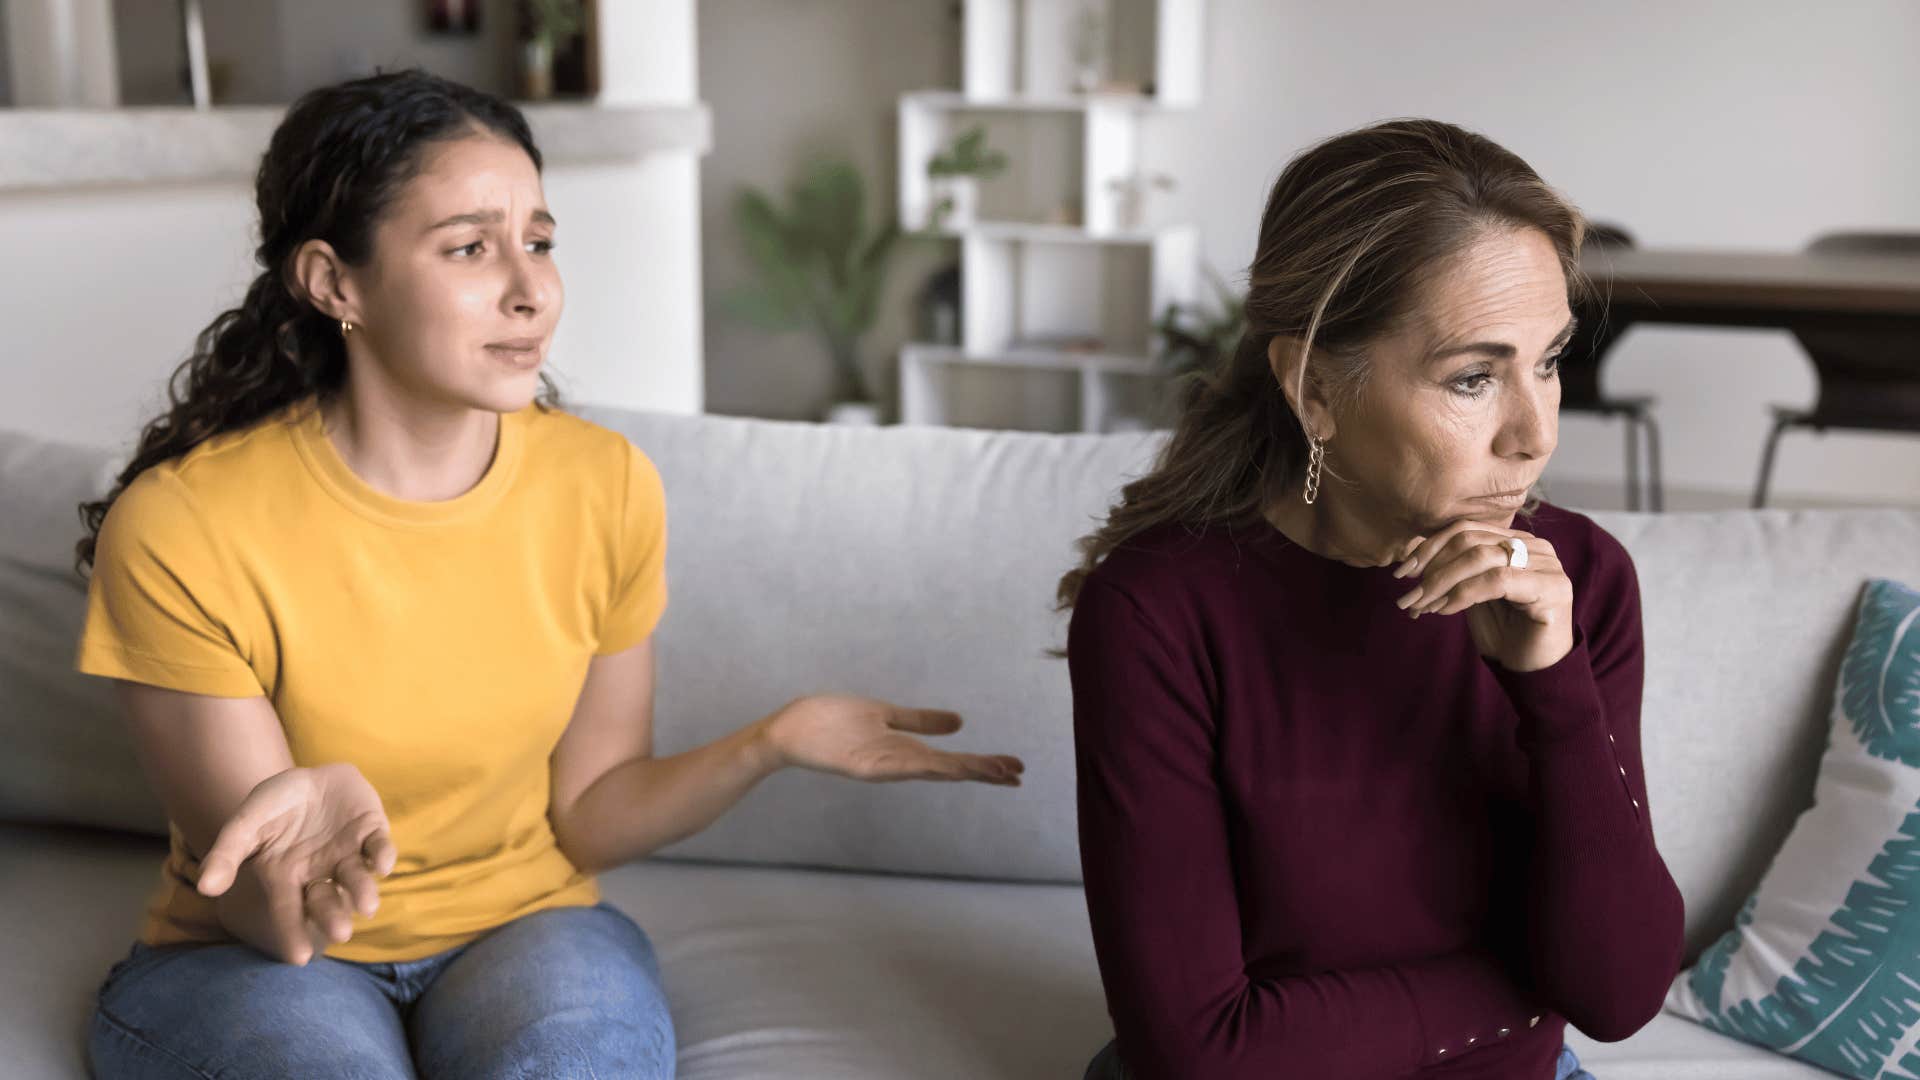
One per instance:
(1672, 1048)
(772, 972)
(802, 974)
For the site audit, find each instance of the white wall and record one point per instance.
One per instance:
(1715, 123)
(785, 80)
(106, 288)
(119, 281)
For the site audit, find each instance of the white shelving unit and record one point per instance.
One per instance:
(1061, 278)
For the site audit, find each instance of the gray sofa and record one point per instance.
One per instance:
(827, 929)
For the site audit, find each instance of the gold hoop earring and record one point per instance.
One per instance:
(1316, 458)
(345, 328)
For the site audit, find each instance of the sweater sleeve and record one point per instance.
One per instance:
(1166, 923)
(1604, 917)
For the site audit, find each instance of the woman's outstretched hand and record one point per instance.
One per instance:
(1519, 616)
(303, 846)
(872, 740)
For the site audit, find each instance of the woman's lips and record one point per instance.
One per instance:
(522, 358)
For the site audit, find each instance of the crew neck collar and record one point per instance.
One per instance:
(306, 427)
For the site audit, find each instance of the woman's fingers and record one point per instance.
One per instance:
(356, 878)
(985, 768)
(1483, 575)
(287, 913)
(238, 839)
(1455, 534)
(915, 760)
(378, 851)
(923, 721)
(326, 906)
(1452, 568)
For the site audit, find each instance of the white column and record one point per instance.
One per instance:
(648, 52)
(60, 53)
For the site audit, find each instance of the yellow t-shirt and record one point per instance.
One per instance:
(438, 646)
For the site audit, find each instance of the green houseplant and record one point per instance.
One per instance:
(954, 174)
(1195, 338)
(819, 267)
(546, 25)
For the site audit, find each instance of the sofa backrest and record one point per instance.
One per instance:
(919, 565)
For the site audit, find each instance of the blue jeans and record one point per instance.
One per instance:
(564, 992)
(1106, 1065)
(1567, 1067)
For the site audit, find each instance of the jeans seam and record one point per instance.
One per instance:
(122, 1027)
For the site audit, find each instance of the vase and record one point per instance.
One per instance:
(853, 413)
(536, 70)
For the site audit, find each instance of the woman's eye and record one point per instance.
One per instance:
(540, 247)
(465, 248)
(1473, 385)
(1553, 365)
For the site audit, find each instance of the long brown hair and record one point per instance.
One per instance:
(336, 162)
(1352, 228)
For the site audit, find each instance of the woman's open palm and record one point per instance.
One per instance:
(303, 845)
(867, 739)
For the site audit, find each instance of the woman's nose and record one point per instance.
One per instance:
(1532, 422)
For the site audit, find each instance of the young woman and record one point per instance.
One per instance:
(382, 627)
(1322, 835)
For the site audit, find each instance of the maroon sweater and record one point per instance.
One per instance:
(1322, 840)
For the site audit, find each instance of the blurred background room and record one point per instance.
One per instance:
(1030, 214)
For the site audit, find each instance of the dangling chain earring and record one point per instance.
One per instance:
(1316, 457)
(345, 328)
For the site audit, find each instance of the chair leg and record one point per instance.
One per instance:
(1766, 461)
(1657, 499)
(1633, 463)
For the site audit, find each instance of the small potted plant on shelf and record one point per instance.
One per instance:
(818, 267)
(1194, 338)
(546, 25)
(954, 176)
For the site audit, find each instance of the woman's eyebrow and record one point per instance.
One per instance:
(486, 217)
(1500, 350)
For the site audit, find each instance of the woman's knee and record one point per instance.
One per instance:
(566, 992)
(220, 1010)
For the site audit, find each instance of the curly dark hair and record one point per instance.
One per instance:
(336, 163)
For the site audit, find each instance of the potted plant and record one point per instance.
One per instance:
(818, 267)
(545, 24)
(954, 175)
(1193, 338)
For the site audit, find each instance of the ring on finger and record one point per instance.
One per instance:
(1516, 552)
(317, 881)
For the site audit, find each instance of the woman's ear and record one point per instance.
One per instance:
(1287, 360)
(318, 274)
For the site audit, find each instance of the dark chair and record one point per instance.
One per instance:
(1580, 378)
(1869, 370)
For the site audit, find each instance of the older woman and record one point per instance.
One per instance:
(1324, 836)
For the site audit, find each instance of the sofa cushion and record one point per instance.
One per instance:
(68, 759)
(919, 564)
(1820, 963)
(808, 975)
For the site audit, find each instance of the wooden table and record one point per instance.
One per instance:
(1783, 289)
(1857, 316)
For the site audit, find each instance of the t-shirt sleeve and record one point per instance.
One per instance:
(159, 604)
(640, 583)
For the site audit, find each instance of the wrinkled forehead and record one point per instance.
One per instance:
(481, 171)
(1506, 282)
